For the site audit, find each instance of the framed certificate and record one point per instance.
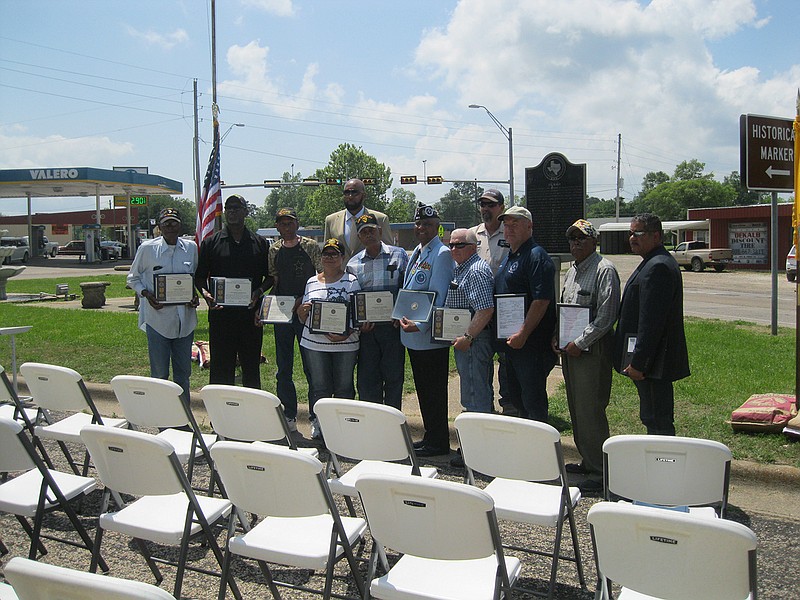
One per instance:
(328, 317)
(414, 305)
(510, 311)
(375, 307)
(572, 321)
(276, 309)
(177, 288)
(449, 323)
(231, 291)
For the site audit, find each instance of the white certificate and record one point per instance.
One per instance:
(231, 291)
(375, 307)
(509, 314)
(573, 319)
(177, 288)
(450, 323)
(328, 317)
(276, 309)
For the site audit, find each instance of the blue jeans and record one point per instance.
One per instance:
(162, 349)
(381, 366)
(475, 370)
(285, 334)
(527, 381)
(331, 376)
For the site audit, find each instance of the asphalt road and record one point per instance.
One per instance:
(730, 295)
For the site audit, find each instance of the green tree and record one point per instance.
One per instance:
(653, 179)
(401, 208)
(291, 196)
(458, 204)
(186, 208)
(691, 169)
(671, 200)
(743, 196)
(346, 162)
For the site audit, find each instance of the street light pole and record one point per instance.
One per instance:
(506, 131)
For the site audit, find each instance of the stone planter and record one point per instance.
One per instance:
(94, 293)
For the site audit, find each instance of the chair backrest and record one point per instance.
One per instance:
(56, 388)
(429, 518)
(6, 389)
(362, 430)
(271, 480)
(672, 555)
(34, 580)
(13, 455)
(150, 402)
(244, 414)
(488, 440)
(132, 462)
(667, 470)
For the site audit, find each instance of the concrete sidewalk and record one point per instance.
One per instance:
(772, 490)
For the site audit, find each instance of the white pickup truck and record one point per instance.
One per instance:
(48, 248)
(696, 256)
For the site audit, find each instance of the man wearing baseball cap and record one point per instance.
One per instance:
(234, 251)
(169, 327)
(586, 361)
(529, 272)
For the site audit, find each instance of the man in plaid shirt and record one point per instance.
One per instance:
(381, 357)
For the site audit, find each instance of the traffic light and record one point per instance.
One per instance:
(333, 181)
(310, 181)
(272, 183)
(408, 179)
(368, 181)
(434, 179)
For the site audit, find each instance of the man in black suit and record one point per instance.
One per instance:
(650, 344)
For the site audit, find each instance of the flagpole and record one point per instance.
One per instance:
(214, 106)
(796, 224)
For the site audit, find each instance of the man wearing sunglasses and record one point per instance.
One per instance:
(342, 225)
(650, 343)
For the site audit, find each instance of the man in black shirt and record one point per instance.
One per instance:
(235, 252)
(292, 261)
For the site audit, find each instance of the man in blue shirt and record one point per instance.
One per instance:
(528, 271)
(381, 357)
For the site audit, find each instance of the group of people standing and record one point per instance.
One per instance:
(499, 257)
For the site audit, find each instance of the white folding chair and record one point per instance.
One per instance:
(18, 408)
(248, 415)
(38, 490)
(529, 482)
(166, 510)
(662, 554)
(39, 581)
(7, 592)
(375, 435)
(447, 533)
(669, 471)
(301, 525)
(55, 388)
(157, 403)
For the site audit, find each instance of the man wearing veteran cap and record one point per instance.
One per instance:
(293, 259)
(592, 281)
(234, 252)
(430, 269)
(169, 327)
(379, 267)
(528, 271)
(342, 225)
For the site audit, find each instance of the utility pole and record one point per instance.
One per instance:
(619, 158)
(196, 150)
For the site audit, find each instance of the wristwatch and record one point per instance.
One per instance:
(470, 339)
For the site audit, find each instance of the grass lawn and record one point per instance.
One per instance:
(729, 362)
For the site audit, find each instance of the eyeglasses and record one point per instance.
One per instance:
(351, 192)
(488, 204)
(576, 239)
(459, 245)
(330, 255)
(638, 233)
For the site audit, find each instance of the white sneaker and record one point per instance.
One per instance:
(292, 423)
(316, 431)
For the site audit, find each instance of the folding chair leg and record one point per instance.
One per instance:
(576, 549)
(270, 581)
(69, 458)
(85, 470)
(3, 548)
(148, 558)
(29, 530)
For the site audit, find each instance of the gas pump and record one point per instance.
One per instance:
(91, 236)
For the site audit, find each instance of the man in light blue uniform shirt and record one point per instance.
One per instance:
(430, 269)
(169, 327)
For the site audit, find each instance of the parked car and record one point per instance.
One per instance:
(48, 248)
(791, 264)
(111, 250)
(108, 249)
(21, 251)
(696, 256)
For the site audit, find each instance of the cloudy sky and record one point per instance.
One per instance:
(109, 83)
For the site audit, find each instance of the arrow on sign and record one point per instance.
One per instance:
(778, 172)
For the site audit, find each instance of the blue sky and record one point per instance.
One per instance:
(108, 83)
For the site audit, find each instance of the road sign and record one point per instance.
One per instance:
(766, 153)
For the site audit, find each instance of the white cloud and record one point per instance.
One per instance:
(28, 151)
(280, 8)
(167, 41)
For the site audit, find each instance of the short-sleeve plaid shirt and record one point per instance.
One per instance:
(473, 285)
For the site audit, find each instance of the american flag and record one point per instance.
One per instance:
(210, 205)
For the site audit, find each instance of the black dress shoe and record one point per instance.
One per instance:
(426, 451)
(457, 462)
(419, 444)
(590, 487)
(576, 468)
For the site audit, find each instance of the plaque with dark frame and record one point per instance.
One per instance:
(328, 317)
(173, 288)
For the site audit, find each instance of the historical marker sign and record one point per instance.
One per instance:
(555, 193)
(766, 153)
